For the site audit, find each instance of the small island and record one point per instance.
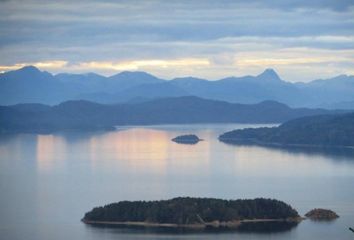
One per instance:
(195, 213)
(187, 139)
(319, 214)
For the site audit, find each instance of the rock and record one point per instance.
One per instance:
(321, 214)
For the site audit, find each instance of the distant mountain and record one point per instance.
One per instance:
(339, 105)
(248, 89)
(90, 82)
(128, 79)
(331, 92)
(149, 92)
(143, 92)
(120, 87)
(84, 115)
(324, 130)
(269, 75)
(29, 85)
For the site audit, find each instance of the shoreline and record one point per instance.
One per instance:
(214, 224)
(275, 144)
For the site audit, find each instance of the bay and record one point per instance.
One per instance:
(48, 182)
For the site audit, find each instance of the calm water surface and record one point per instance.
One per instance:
(48, 182)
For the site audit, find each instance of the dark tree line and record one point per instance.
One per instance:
(192, 210)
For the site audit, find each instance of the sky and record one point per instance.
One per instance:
(302, 40)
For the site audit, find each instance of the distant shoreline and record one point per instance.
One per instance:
(262, 143)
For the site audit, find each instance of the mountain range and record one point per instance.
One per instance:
(85, 115)
(30, 85)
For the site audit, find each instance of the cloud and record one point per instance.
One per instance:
(139, 64)
(232, 37)
(47, 65)
(113, 67)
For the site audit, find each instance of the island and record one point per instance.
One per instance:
(196, 213)
(322, 130)
(321, 214)
(187, 139)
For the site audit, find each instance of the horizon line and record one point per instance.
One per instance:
(268, 69)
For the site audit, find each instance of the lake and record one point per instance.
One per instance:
(48, 182)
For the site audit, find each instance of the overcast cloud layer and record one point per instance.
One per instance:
(302, 40)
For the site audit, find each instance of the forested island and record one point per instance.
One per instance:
(322, 130)
(187, 139)
(192, 212)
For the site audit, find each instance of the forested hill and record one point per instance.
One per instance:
(84, 115)
(191, 211)
(325, 130)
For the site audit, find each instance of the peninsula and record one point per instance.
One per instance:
(322, 130)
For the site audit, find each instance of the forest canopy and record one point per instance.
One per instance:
(187, 210)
